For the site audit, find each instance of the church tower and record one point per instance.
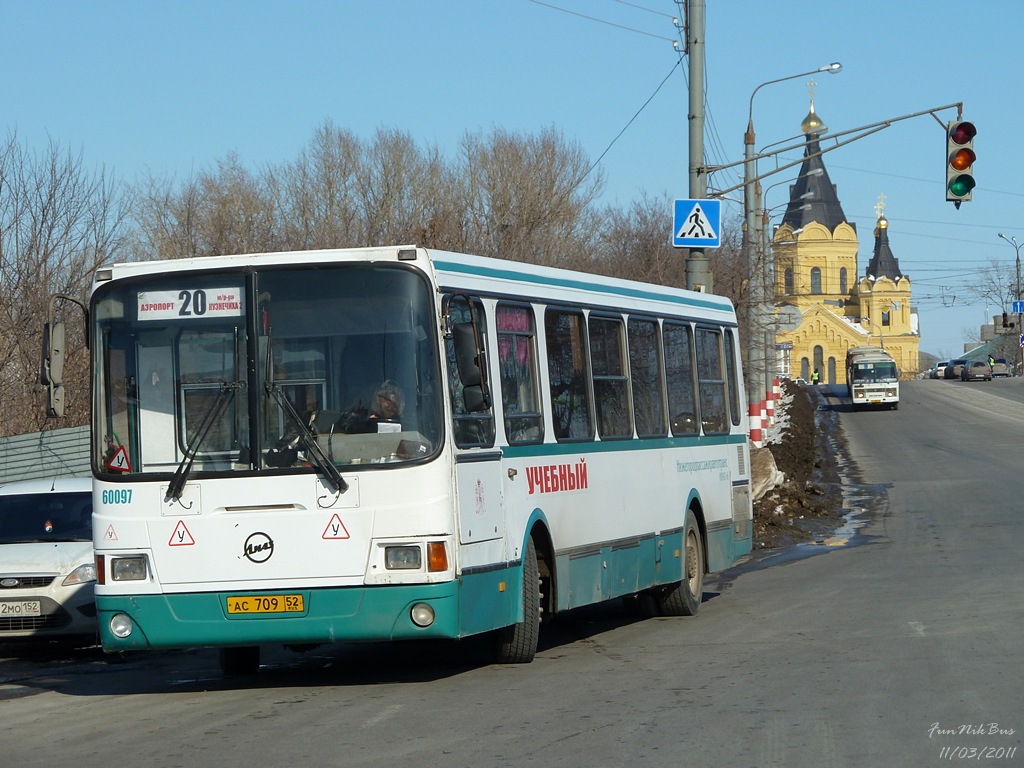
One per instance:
(884, 301)
(823, 309)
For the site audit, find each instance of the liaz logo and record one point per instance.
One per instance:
(258, 547)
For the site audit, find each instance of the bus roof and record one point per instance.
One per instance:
(463, 271)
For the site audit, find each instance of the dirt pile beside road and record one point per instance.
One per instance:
(807, 503)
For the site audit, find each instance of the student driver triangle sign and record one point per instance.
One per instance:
(697, 224)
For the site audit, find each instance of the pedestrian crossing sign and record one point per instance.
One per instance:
(697, 224)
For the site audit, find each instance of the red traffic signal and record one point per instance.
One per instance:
(960, 159)
(962, 133)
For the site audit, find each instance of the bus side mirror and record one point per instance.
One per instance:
(52, 371)
(467, 358)
(54, 401)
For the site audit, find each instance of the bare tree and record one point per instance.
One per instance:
(636, 244)
(58, 223)
(314, 195)
(166, 219)
(528, 196)
(228, 210)
(995, 285)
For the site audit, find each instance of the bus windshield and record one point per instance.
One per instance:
(265, 371)
(878, 371)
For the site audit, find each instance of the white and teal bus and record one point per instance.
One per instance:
(555, 439)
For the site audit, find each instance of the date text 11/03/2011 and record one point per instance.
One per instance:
(976, 753)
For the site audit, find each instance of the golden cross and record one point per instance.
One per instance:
(880, 206)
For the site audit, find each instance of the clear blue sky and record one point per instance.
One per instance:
(173, 87)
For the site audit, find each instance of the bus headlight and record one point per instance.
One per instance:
(422, 615)
(120, 625)
(403, 558)
(128, 568)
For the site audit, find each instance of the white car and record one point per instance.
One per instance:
(47, 569)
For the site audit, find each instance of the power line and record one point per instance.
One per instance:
(600, 21)
(642, 8)
(634, 117)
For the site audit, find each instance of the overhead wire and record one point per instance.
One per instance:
(624, 129)
(712, 137)
(599, 21)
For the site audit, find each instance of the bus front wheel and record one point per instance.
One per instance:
(517, 644)
(683, 598)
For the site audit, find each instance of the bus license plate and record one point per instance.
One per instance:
(21, 608)
(266, 604)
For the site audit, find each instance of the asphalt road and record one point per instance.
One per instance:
(897, 643)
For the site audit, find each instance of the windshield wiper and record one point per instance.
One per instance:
(324, 464)
(313, 448)
(212, 415)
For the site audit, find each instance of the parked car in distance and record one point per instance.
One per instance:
(953, 369)
(47, 569)
(939, 369)
(1000, 367)
(976, 370)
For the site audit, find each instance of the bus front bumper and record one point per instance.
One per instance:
(324, 615)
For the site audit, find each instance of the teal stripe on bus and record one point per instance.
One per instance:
(617, 446)
(634, 293)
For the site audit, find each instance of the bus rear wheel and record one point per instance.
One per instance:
(683, 598)
(235, 662)
(517, 644)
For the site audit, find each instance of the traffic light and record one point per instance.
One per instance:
(960, 159)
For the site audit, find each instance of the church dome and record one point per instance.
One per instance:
(812, 123)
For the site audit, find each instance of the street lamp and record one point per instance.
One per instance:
(1012, 240)
(757, 353)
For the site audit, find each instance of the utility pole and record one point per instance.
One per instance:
(698, 276)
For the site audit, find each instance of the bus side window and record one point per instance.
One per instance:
(645, 376)
(711, 382)
(568, 371)
(733, 380)
(682, 405)
(607, 365)
(473, 425)
(517, 362)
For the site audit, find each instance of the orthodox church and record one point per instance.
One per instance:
(819, 297)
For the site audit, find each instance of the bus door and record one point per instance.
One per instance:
(478, 464)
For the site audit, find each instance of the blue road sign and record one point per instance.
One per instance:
(1018, 307)
(697, 224)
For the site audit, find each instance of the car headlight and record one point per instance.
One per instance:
(83, 574)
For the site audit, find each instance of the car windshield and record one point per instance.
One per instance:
(34, 517)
